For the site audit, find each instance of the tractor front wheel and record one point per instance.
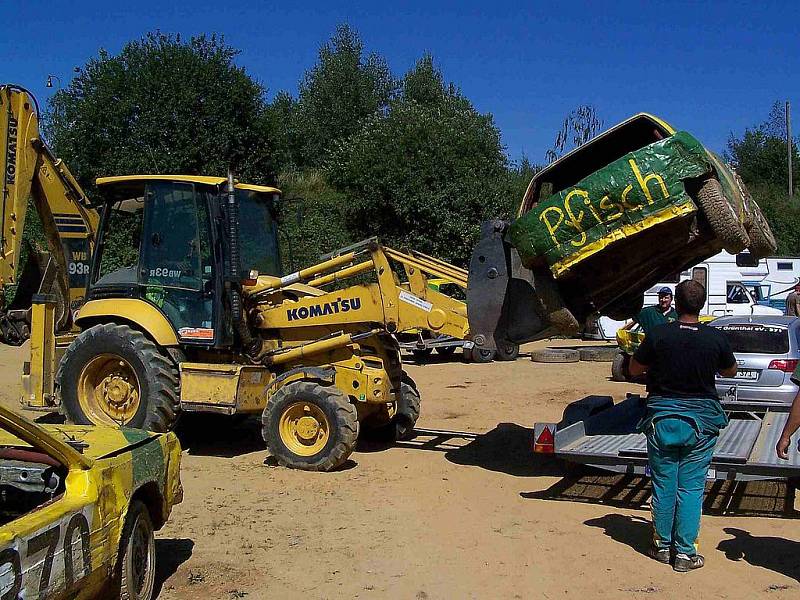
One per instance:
(310, 426)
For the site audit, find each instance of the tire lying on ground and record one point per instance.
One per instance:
(555, 355)
(599, 353)
(720, 213)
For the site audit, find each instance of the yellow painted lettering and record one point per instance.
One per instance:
(643, 181)
(606, 204)
(573, 221)
(592, 210)
(552, 227)
(627, 205)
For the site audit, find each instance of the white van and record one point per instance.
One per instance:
(728, 280)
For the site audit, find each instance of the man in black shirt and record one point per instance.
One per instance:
(683, 420)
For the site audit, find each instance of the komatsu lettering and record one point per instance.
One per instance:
(326, 308)
(11, 151)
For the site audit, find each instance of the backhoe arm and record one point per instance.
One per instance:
(30, 171)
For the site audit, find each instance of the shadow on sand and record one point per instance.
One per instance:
(773, 553)
(171, 553)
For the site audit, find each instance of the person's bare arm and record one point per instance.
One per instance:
(730, 371)
(792, 424)
(635, 368)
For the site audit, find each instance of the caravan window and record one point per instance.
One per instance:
(784, 266)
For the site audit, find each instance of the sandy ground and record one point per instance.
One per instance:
(462, 511)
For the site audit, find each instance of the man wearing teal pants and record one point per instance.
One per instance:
(682, 423)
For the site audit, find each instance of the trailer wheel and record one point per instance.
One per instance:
(478, 355)
(721, 214)
(309, 426)
(619, 367)
(555, 355)
(507, 351)
(114, 375)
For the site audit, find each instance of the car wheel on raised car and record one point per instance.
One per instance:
(720, 214)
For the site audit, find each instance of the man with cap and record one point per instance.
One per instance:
(659, 314)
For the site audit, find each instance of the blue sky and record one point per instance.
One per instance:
(710, 68)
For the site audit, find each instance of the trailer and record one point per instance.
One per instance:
(598, 433)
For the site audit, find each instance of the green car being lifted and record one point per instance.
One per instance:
(602, 224)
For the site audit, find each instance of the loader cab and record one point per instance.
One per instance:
(163, 240)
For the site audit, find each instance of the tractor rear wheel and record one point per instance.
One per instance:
(310, 426)
(114, 375)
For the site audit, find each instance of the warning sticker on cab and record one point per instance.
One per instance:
(413, 300)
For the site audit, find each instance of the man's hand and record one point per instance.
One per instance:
(782, 448)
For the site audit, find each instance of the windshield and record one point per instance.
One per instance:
(258, 233)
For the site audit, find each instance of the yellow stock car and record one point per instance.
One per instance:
(79, 506)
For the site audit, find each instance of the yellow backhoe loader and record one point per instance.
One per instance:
(176, 304)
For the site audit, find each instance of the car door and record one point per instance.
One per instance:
(49, 524)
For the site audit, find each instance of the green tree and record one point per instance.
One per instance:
(342, 89)
(579, 126)
(164, 105)
(425, 172)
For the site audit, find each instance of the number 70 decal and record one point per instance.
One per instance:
(52, 559)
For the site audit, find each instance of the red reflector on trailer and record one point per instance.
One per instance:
(544, 442)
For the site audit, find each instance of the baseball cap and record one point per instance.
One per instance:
(665, 291)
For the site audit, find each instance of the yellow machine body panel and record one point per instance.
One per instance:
(143, 315)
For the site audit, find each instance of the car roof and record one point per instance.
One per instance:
(782, 320)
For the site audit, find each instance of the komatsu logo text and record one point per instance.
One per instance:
(326, 308)
(11, 151)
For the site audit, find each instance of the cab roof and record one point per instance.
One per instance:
(131, 181)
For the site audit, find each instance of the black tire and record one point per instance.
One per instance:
(599, 353)
(555, 355)
(507, 351)
(479, 355)
(340, 414)
(446, 350)
(132, 580)
(156, 375)
(408, 409)
(422, 353)
(721, 214)
(619, 367)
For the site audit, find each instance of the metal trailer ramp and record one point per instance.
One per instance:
(745, 450)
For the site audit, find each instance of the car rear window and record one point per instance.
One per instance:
(755, 338)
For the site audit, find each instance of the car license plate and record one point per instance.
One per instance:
(749, 374)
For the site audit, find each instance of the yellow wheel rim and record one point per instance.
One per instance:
(108, 390)
(304, 428)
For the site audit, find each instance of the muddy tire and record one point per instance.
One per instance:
(721, 214)
(114, 375)
(555, 355)
(762, 240)
(478, 355)
(310, 426)
(599, 353)
(619, 367)
(507, 351)
(135, 574)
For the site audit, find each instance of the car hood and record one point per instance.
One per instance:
(91, 441)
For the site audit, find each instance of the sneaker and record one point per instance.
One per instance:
(684, 562)
(659, 554)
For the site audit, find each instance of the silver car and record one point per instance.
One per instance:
(767, 350)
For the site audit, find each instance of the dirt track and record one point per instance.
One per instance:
(462, 511)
